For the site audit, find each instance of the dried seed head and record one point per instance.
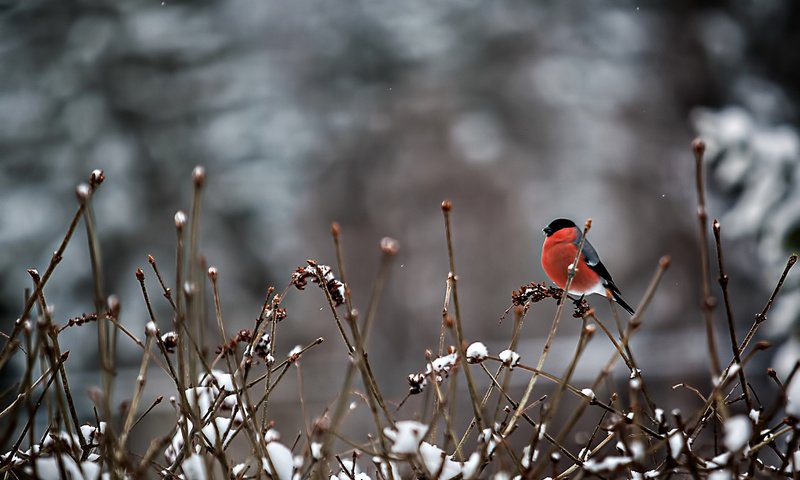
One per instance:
(151, 259)
(389, 246)
(416, 383)
(447, 205)
(140, 274)
(212, 273)
(180, 219)
(170, 340)
(199, 176)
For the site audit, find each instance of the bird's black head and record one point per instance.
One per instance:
(556, 225)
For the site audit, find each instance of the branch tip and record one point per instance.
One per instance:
(199, 176)
(699, 148)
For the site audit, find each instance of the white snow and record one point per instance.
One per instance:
(151, 328)
(754, 415)
(659, 415)
(588, 392)
(637, 450)
(583, 455)
(48, 468)
(90, 433)
(83, 190)
(406, 436)
(295, 351)
(432, 458)
(223, 426)
(272, 435)
(238, 469)
(316, 450)
(180, 219)
(200, 398)
(477, 352)
(194, 468)
(441, 366)
(794, 463)
(608, 464)
(737, 432)
(350, 472)
(676, 443)
(217, 378)
(385, 470)
(720, 475)
(282, 460)
(510, 358)
(719, 461)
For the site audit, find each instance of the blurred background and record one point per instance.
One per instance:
(369, 114)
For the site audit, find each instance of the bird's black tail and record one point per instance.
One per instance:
(618, 298)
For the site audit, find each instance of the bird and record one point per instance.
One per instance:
(562, 239)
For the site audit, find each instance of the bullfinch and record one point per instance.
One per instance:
(562, 239)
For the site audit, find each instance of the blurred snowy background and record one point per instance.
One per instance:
(369, 114)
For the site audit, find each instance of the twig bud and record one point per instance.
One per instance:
(180, 220)
(140, 274)
(96, 178)
(699, 148)
(82, 191)
(763, 345)
(587, 225)
(113, 305)
(34, 275)
(335, 229)
(447, 205)
(589, 330)
(212, 273)
(199, 176)
(389, 246)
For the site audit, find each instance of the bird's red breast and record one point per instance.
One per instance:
(558, 254)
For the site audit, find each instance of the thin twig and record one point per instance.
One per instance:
(723, 283)
(447, 206)
(699, 147)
